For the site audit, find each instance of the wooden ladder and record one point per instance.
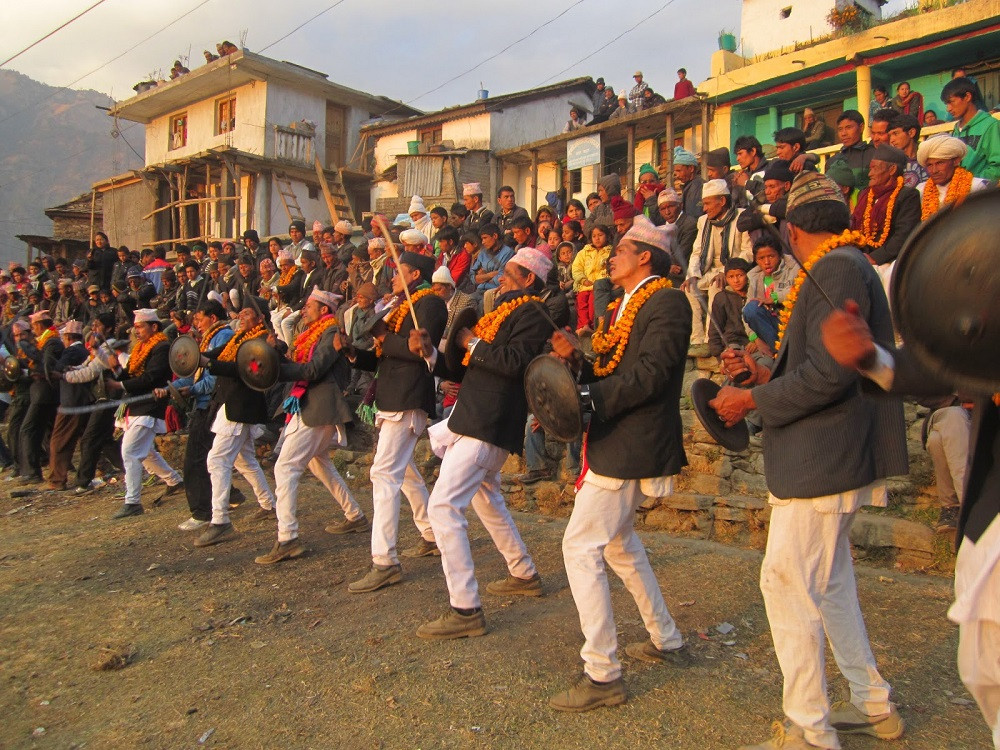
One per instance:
(288, 198)
(337, 200)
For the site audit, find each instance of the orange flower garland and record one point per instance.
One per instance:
(228, 354)
(958, 190)
(306, 341)
(394, 320)
(47, 334)
(141, 351)
(840, 240)
(286, 276)
(614, 341)
(870, 240)
(206, 338)
(488, 325)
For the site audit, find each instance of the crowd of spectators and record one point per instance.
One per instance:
(606, 105)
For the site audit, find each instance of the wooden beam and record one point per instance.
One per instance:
(630, 163)
(239, 202)
(93, 207)
(321, 176)
(188, 202)
(534, 181)
(670, 148)
(704, 140)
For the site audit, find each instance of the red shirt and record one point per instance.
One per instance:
(683, 89)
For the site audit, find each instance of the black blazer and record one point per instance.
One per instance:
(74, 394)
(403, 381)
(243, 404)
(309, 282)
(491, 406)
(42, 390)
(822, 434)
(327, 373)
(292, 291)
(156, 374)
(635, 430)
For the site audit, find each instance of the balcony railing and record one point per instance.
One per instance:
(294, 144)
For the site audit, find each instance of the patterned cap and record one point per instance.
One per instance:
(643, 230)
(810, 187)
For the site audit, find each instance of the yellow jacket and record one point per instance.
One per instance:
(590, 264)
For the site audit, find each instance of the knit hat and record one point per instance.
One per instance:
(684, 157)
(533, 260)
(713, 188)
(416, 205)
(412, 236)
(343, 227)
(941, 147)
(648, 169)
(667, 195)
(443, 276)
(643, 230)
(422, 263)
(718, 158)
(621, 208)
(249, 234)
(611, 183)
(778, 170)
(810, 187)
(839, 172)
(298, 224)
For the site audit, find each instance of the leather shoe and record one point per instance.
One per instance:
(646, 651)
(514, 586)
(129, 509)
(453, 625)
(215, 534)
(377, 577)
(423, 548)
(349, 527)
(586, 695)
(282, 551)
(533, 476)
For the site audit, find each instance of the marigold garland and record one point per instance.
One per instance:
(306, 341)
(958, 190)
(615, 339)
(206, 338)
(141, 351)
(840, 240)
(870, 240)
(394, 320)
(286, 276)
(488, 325)
(228, 353)
(47, 334)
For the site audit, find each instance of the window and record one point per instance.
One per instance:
(432, 135)
(225, 115)
(178, 130)
(785, 12)
(313, 191)
(575, 181)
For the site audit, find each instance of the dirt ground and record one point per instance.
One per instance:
(224, 653)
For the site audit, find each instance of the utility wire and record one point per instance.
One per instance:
(608, 44)
(304, 23)
(58, 28)
(106, 64)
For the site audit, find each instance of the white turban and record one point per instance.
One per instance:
(941, 147)
(416, 205)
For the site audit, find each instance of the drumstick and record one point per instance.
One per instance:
(395, 257)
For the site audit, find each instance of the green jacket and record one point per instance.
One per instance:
(982, 136)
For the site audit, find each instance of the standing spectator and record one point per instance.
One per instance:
(854, 152)
(100, 261)
(635, 95)
(880, 125)
(880, 99)
(478, 216)
(686, 173)
(750, 157)
(589, 265)
(597, 98)
(790, 146)
(509, 211)
(608, 187)
(887, 211)
(978, 129)
(683, 88)
(904, 134)
(908, 102)
(817, 132)
(609, 103)
(651, 99)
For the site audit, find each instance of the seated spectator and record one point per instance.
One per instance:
(790, 146)
(608, 187)
(623, 109)
(590, 265)
(209, 57)
(523, 231)
(635, 99)
(577, 120)
(880, 125)
(750, 157)
(624, 214)
(908, 102)
(649, 187)
(817, 133)
(683, 88)
(904, 134)
(178, 70)
(554, 238)
(228, 48)
(768, 284)
(604, 108)
(930, 118)
(854, 151)
(948, 183)
(727, 329)
(880, 100)
(687, 174)
(651, 99)
(565, 254)
(843, 175)
(683, 230)
(438, 217)
(887, 211)
(457, 215)
(769, 217)
(456, 255)
(492, 257)
(976, 128)
(572, 232)
(717, 242)
(575, 211)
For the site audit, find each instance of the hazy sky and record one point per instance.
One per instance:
(398, 49)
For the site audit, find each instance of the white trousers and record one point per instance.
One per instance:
(807, 579)
(601, 530)
(979, 668)
(288, 327)
(306, 446)
(229, 450)
(138, 451)
(948, 432)
(470, 473)
(700, 315)
(393, 469)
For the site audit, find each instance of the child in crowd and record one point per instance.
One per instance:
(575, 212)
(572, 231)
(726, 328)
(589, 266)
(768, 284)
(358, 321)
(469, 245)
(565, 252)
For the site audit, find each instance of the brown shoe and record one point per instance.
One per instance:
(263, 514)
(514, 586)
(646, 651)
(216, 534)
(282, 551)
(453, 625)
(787, 736)
(586, 695)
(423, 548)
(349, 527)
(376, 578)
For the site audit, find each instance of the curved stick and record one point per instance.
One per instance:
(391, 247)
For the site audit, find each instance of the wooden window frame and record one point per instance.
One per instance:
(225, 123)
(172, 145)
